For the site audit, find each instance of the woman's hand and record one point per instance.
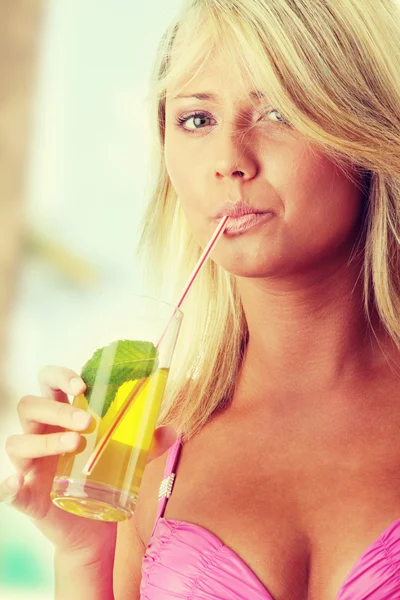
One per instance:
(35, 454)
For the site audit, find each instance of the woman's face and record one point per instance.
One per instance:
(219, 149)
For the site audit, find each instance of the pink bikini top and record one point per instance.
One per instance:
(184, 561)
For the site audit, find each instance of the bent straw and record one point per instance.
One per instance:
(100, 447)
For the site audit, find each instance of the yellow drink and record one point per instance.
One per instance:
(109, 493)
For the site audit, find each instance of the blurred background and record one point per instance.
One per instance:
(74, 173)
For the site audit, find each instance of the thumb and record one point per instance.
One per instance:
(10, 488)
(163, 439)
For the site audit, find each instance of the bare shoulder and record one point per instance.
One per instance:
(129, 554)
(133, 535)
(147, 502)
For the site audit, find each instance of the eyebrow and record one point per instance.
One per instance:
(255, 95)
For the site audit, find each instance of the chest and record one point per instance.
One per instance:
(299, 507)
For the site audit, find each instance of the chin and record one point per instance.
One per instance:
(251, 269)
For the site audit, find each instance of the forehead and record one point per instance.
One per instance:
(216, 75)
(220, 58)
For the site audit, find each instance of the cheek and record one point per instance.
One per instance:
(185, 174)
(189, 186)
(325, 208)
(320, 192)
(178, 164)
(174, 161)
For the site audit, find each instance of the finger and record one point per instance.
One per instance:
(164, 438)
(10, 487)
(57, 382)
(23, 449)
(36, 413)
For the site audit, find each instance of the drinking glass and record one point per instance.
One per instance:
(129, 367)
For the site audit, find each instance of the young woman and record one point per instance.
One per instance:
(286, 397)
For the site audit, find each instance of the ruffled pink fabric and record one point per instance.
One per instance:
(376, 574)
(184, 561)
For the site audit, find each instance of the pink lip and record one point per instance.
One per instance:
(242, 224)
(239, 209)
(242, 216)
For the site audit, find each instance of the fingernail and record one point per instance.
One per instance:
(81, 419)
(13, 484)
(76, 385)
(68, 440)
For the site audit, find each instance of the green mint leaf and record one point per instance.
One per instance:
(113, 365)
(101, 402)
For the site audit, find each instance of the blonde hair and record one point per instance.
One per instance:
(333, 69)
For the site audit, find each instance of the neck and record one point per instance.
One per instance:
(307, 337)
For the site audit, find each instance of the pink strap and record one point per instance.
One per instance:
(168, 480)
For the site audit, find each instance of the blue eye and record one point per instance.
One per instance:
(199, 120)
(274, 110)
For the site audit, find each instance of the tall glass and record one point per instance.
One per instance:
(128, 356)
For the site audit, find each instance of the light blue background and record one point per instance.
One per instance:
(86, 190)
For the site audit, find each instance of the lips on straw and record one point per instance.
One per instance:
(101, 445)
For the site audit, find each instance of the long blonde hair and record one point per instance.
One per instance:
(333, 69)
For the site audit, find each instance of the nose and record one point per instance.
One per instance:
(234, 159)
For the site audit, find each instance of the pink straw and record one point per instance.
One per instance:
(100, 447)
